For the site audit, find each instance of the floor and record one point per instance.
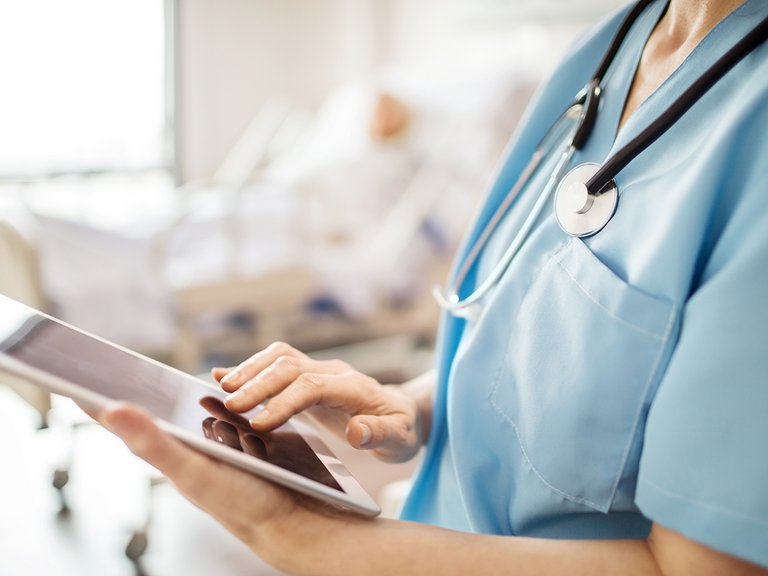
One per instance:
(107, 495)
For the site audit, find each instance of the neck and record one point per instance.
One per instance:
(681, 28)
(686, 22)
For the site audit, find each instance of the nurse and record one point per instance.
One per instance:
(603, 407)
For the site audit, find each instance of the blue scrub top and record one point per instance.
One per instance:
(621, 379)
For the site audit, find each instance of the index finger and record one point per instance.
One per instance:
(246, 370)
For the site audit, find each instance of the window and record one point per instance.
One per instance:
(83, 87)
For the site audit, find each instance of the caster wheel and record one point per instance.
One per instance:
(60, 479)
(136, 547)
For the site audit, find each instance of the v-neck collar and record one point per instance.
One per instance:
(714, 44)
(643, 34)
(620, 75)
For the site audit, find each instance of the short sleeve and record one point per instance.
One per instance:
(704, 465)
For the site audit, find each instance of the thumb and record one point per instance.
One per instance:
(142, 436)
(391, 432)
(131, 424)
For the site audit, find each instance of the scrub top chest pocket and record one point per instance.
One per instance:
(584, 357)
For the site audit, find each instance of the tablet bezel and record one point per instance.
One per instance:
(353, 497)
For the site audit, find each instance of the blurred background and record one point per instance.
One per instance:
(195, 179)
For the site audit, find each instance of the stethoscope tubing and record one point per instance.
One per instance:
(618, 161)
(588, 98)
(589, 95)
(453, 303)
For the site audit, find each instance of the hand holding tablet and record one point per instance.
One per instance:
(96, 373)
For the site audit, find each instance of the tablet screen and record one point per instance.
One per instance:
(177, 398)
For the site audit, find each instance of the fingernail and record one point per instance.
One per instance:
(232, 377)
(232, 396)
(260, 417)
(367, 434)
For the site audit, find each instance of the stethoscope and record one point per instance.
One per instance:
(586, 196)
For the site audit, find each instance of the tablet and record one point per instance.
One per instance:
(94, 372)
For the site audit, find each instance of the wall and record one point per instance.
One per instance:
(235, 55)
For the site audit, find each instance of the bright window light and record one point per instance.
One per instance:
(82, 86)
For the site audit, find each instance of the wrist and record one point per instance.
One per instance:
(276, 540)
(298, 542)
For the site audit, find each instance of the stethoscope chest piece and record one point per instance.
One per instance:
(579, 212)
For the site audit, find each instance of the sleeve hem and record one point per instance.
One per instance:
(738, 535)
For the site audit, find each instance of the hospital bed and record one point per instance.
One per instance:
(20, 280)
(308, 232)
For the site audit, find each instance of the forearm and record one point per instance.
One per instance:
(315, 544)
(350, 545)
(301, 536)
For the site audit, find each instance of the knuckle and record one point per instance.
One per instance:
(392, 433)
(311, 383)
(369, 382)
(265, 383)
(282, 407)
(258, 386)
(280, 348)
(339, 366)
(286, 362)
(276, 407)
(401, 431)
(245, 367)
